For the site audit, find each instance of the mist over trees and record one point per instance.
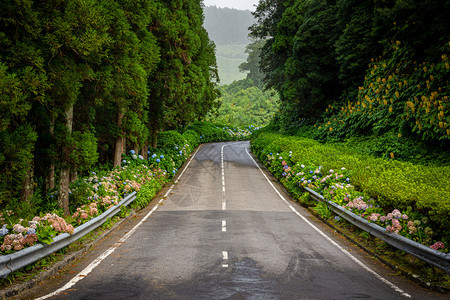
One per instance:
(227, 26)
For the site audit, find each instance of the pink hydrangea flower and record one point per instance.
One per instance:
(438, 245)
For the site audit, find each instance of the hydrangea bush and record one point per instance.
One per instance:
(92, 195)
(337, 185)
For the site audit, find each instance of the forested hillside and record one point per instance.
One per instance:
(244, 104)
(83, 81)
(359, 67)
(227, 26)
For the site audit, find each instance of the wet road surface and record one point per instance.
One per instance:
(224, 232)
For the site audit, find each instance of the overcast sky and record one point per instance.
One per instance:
(238, 4)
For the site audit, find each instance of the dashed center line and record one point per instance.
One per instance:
(224, 202)
(224, 207)
(225, 258)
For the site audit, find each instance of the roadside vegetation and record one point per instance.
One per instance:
(41, 219)
(367, 91)
(404, 198)
(364, 112)
(80, 92)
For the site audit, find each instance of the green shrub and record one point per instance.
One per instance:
(394, 184)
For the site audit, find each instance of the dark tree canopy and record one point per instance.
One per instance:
(82, 81)
(317, 52)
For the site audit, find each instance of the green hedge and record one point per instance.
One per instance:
(393, 184)
(104, 187)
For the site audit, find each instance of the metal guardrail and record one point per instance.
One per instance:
(17, 260)
(436, 258)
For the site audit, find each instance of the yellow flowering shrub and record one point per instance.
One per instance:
(398, 94)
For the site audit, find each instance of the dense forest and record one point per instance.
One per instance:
(243, 104)
(358, 67)
(83, 81)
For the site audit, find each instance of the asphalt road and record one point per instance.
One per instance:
(224, 232)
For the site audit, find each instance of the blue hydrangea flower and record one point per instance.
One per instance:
(93, 173)
(4, 231)
(141, 157)
(148, 152)
(154, 155)
(31, 231)
(132, 152)
(347, 179)
(181, 152)
(158, 160)
(161, 156)
(124, 161)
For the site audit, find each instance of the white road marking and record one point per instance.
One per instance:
(224, 266)
(382, 279)
(105, 254)
(224, 226)
(224, 201)
(225, 255)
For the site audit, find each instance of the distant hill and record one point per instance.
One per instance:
(227, 26)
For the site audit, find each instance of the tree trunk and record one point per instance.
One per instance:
(118, 148)
(154, 137)
(51, 172)
(63, 191)
(144, 151)
(73, 176)
(51, 177)
(27, 185)
(136, 149)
